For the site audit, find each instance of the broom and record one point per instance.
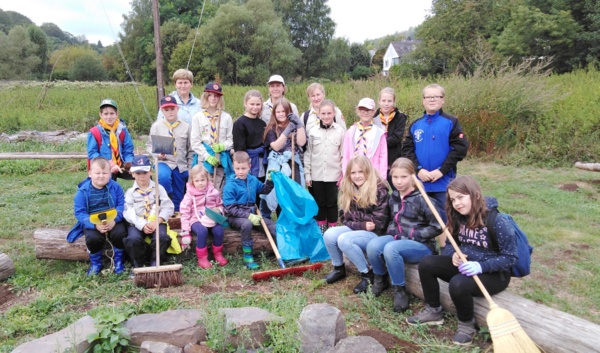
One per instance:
(217, 141)
(158, 276)
(507, 334)
(294, 271)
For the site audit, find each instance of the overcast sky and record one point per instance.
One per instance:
(356, 20)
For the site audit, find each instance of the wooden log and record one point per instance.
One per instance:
(43, 155)
(553, 330)
(595, 167)
(7, 267)
(52, 244)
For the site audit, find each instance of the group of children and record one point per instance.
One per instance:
(360, 177)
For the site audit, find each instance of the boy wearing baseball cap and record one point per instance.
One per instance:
(366, 138)
(140, 213)
(110, 139)
(277, 90)
(172, 168)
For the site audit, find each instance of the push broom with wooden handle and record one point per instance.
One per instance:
(507, 335)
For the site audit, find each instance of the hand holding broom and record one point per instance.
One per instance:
(507, 334)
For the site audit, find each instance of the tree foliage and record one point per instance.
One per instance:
(87, 67)
(18, 57)
(359, 56)
(10, 19)
(38, 37)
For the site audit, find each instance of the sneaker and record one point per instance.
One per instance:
(465, 333)
(427, 316)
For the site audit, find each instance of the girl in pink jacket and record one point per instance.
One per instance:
(366, 138)
(201, 194)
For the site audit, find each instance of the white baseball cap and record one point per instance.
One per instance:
(276, 78)
(366, 103)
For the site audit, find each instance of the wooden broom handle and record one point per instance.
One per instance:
(449, 236)
(217, 141)
(156, 231)
(293, 160)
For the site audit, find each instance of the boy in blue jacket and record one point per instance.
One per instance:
(111, 139)
(240, 195)
(96, 194)
(435, 143)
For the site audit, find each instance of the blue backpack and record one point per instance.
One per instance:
(523, 265)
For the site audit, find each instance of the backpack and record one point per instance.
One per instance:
(95, 131)
(523, 265)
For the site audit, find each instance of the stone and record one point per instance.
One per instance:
(321, 327)
(358, 344)
(196, 348)
(72, 337)
(247, 326)
(159, 347)
(176, 327)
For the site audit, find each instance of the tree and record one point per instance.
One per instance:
(311, 28)
(533, 34)
(113, 64)
(359, 56)
(10, 19)
(337, 59)
(87, 67)
(243, 44)
(38, 37)
(18, 57)
(63, 60)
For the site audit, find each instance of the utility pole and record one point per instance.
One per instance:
(160, 85)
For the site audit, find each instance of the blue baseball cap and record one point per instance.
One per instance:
(140, 163)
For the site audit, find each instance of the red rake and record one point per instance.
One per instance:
(293, 271)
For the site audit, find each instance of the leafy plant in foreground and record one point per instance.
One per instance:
(111, 336)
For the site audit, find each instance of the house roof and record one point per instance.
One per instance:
(404, 47)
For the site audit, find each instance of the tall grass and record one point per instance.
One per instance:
(520, 114)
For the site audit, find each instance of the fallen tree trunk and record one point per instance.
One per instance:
(7, 267)
(52, 244)
(551, 329)
(595, 167)
(43, 155)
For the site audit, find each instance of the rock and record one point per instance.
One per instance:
(7, 267)
(321, 327)
(176, 327)
(72, 337)
(358, 344)
(247, 326)
(159, 347)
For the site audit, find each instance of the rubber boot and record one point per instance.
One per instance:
(203, 257)
(400, 299)
(248, 258)
(322, 227)
(365, 280)
(218, 254)
(380, 283)
(339, 272)
(95, 263)
(118, 258)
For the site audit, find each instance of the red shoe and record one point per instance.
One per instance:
(217, 252)
(203, 257)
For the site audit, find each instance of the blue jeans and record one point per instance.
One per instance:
(342, 240)
(384, 250)
(174, 183)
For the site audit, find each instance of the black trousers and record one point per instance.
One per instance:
(137, 248)
(326, 195)
(462, 288)
(95, 241)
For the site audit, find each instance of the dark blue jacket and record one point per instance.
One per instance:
(436, 142)
(116, 200)
(240, 196)
(477, 245)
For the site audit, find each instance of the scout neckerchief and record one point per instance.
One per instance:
(213, 126)
(172, 127)
(114, 142)
(147, 205)
(361, 144)
(386, 120)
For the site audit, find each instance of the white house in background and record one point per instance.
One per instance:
(395, 52)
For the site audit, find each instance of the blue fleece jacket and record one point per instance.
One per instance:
(240, 195)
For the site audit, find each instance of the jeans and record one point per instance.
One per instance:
(174, 183)
(462, 288)
(202, 234)
(245, 227)
(385, 251)
(440, 198)
(342, 240)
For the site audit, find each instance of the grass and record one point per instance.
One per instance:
(51, 294)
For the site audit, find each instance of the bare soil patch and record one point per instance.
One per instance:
(569, 187)
(390, 341)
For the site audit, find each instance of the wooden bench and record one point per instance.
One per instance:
(52, 244)
(551, 329)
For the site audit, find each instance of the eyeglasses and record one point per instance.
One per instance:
(433, 98)
(365, 111)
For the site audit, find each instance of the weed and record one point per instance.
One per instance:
(111, 336)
